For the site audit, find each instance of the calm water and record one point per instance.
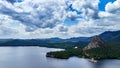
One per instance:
(34, 57)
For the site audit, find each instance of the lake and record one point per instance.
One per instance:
(34, 57)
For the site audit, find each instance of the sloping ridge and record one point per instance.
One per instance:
(96, 42)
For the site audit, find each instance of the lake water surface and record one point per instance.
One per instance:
(34, 57)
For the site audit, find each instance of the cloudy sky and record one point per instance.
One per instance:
(57, 18)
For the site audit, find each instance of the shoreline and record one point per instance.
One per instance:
(87, 58)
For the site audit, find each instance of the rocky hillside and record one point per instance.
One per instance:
(96, 42)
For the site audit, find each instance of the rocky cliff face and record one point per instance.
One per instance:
(96, 42)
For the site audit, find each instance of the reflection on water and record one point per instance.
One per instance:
(73, 62)
(108, 64)
(34, 57)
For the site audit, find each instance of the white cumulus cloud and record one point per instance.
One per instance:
(35, 14)
(45, 18)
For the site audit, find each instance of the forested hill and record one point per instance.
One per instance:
(97, 49)
(111, 37)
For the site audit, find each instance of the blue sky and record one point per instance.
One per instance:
(57, 18)
(101, 7)
(103, 3)
(20, 0)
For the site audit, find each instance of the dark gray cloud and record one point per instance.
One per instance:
(63, 29)
(72, 15)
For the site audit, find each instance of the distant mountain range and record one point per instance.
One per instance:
(108, 36)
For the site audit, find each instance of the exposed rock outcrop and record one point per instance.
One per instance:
(96, 42)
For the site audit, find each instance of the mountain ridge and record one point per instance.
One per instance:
(112, 37)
